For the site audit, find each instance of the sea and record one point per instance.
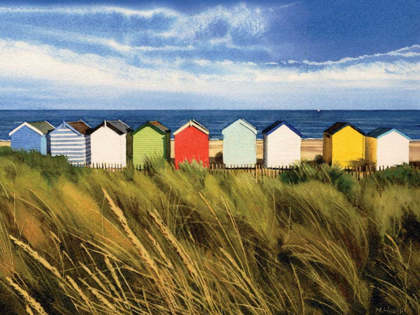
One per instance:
(311, 123)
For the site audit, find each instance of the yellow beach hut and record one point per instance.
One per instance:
(343, 143)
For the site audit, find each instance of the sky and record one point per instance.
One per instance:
(330, 54)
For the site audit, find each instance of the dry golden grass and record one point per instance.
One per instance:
(191, 242)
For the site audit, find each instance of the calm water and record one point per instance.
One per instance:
(309, 122)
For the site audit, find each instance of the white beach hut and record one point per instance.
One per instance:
(282, 144)
(386, 147)
(109, 143)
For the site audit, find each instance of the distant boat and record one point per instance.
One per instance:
(318, 111)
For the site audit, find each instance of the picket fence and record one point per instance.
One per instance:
(258, 171)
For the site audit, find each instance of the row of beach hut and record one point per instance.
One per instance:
(344, 143)
(109, 142)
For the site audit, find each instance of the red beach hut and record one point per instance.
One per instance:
(192, 143)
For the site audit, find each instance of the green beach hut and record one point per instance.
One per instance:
(151, 139)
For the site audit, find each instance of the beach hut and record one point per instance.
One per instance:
(386, 147)
(71, 139)
(108, 143)
(281, 144)
(343, 143)
(239, 144)
(151, 140)
(32, 136)
(192, 143)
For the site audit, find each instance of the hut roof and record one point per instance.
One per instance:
(340, 125)
(193, 123)
(80, 126)
(40, 127)
(155, 125)
(273, 127)
(244, 123)
(116, 125)
(43, 126)
(382, 131)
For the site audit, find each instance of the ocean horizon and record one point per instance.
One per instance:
(310, 123)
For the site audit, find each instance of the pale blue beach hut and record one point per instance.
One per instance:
(32, 136)
(70, 139)
(239, 144)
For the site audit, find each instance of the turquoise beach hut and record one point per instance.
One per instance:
(239, 144)
(32, 136)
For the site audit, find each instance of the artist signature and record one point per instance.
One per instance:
(388, 310)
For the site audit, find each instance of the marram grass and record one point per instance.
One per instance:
(312, 241)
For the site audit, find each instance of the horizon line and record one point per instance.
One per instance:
(322, 110)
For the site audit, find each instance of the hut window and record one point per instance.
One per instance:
(328, 136)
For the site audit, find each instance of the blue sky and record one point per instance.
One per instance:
(210, 54)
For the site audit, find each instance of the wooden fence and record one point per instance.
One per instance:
(258, 170)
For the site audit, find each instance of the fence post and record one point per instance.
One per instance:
(256, 172)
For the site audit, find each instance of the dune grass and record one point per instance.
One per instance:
(313, 241)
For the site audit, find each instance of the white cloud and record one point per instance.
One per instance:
(403, 52)
(202, 62)
(183, 32)
(91, 10)
(236, 18)
(89, 73)
(111, 43)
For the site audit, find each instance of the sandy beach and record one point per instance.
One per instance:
(4, 143)
(415, 151)
(309, 150)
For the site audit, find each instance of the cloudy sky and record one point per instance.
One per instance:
(327, 54)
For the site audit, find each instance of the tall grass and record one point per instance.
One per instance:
(313, 241)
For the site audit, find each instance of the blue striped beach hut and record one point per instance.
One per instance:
(32, 136)
(239, 144)
(70, 139)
